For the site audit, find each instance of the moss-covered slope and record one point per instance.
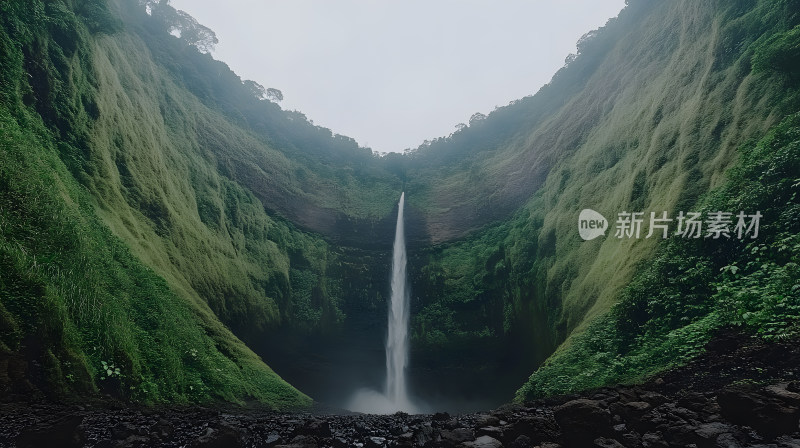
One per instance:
(79, 311)
(648, 118)
(153, 206)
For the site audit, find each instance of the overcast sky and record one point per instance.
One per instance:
(393, 73)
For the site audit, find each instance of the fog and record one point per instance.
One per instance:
(390, 75)
(393, 73)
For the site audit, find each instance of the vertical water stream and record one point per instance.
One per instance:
(395, 397)
(397, 337)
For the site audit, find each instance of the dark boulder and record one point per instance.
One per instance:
(424, 435)
(768, 415)
(316, 427)
(488, 420)
(483, 442)
(221, 436)
(604, 442)
(458, 435)
(300, 442)
(582, 421)
(630, 411)
(375, 442)
(522, 441)
(440, 417)
(537, 428)
(63, 432)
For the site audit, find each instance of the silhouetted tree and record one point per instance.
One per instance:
(274, 95)
(476, 117)
(180, 23)
(256, 89)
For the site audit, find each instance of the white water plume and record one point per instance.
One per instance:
(396, 396)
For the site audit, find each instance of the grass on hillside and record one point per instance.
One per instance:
(657, 130)
(102, 321)
(129, 177)
(695, 287)
(78, 310)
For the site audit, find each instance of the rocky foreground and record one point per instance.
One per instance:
(740, 394)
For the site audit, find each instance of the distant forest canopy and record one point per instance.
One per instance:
(246, 102)
(188, 57)
(249, 103)
(141, 178)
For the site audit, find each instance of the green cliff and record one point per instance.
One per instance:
(165, 230)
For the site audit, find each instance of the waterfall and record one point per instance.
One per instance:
(397, 338)
(395, 398)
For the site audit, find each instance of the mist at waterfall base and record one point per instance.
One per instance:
(395, 397)
(348, 369)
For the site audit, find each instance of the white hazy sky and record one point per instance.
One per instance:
(392, 73)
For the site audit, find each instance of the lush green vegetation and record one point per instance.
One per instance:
(657, 138)
(153, 205)
(85, 315)
(327, 170)
(653, 146)
(175, 188)
(78, 311)
(696, 286)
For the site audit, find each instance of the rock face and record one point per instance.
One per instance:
(620, 417)
(332, 224)
(672, 411)
(772, 413)
(64, 431)
(582, 420)
(484, 442)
